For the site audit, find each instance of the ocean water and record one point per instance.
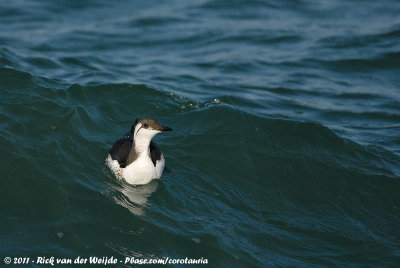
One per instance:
(286, 141)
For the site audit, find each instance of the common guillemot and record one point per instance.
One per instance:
(134, 157)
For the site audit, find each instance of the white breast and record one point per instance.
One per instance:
(141, 171)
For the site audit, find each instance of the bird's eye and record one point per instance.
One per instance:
(146, 125)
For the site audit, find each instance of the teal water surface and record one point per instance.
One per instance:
(286, 118)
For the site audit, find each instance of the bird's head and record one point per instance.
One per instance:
(147, 128)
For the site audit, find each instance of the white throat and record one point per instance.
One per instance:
(142, 138)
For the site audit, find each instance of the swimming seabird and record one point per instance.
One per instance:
(134, 157)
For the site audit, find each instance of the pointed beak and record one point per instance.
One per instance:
(165, 128)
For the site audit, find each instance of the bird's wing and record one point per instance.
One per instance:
(155, 153)
(120, 150)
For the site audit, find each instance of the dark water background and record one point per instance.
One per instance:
(287, 130)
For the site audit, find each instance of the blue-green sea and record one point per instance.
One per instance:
(286, 143)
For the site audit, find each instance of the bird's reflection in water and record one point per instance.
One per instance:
(135, 197)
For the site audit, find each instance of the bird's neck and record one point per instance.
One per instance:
(141, 144)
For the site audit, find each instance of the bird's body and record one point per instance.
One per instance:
(134, 157)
